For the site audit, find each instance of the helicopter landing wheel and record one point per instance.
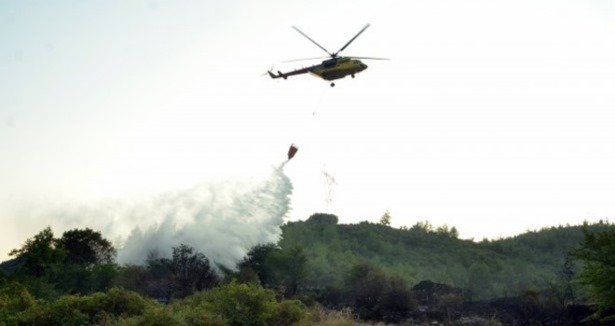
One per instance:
(352, 75)
(332, 84)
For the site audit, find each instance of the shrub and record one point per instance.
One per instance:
(289, 312)
(156, 316)
(85, 310)
(15, 297)
(242, 304)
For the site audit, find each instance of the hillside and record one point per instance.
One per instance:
(415, 276)
(487, 269)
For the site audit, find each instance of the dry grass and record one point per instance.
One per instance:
(327, 317)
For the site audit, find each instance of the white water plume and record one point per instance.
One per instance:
(223, 221)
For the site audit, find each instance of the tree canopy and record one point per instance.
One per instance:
(39, 253)
(597, 251)
(367, 267)
(86, 247)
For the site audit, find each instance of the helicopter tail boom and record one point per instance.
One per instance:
(272, 75)
(287, 74)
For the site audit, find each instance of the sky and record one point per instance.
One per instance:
(495, 117)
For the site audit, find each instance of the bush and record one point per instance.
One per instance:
(325, 317)
(85, 310)
(157, 316)
(289, 312)
(198, 316)
(242, 304)
(123, 302)
(14, 299)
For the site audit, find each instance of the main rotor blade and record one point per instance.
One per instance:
(366, 58)
(352, 39)
(307, 37)
(305, 59)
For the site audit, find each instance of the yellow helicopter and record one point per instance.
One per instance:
(335, 67)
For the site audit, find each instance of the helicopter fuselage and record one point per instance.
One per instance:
(333, 69)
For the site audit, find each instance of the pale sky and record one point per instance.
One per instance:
(492, 116)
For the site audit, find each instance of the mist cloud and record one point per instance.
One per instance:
(221, 219)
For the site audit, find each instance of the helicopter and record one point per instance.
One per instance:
(332, 68)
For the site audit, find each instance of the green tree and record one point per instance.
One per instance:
(86, 247)
(275, 267)
(158, 278)
(561, 287)
(385, 219)
(293, 263)
(448, 232)
(597, 251)
(321, 218)
(397, 301)
(423, 226)
(40, 253)
(81, 279)
(376, 296)
(256, 261)
(186, 272)
(479, 281)
(132, 277)
(190, 271)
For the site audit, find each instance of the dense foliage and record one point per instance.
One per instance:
(598, 253)
(488, 269)
(86, 247)
(232, 304)
(79, 262)
(320, 272)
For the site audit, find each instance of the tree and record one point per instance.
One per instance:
(598, 254)
(479, 281)
(158, 277)
(40, 253)
(397, 301)
(132, 277)
(321, 218)
(448, 232)
(276, 267)
(386, 218)
(561, 288)
(257, 261)
(80, 262)
(86, 247)
(191, 271)
(366, 287)
(567, 276)
(423, 226)
(377, 296)
(292, 265)
(186, 272)
(530, 304)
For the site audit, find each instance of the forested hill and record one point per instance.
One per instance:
(488, 269)
(373, 269)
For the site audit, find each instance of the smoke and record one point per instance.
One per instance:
(222, 219)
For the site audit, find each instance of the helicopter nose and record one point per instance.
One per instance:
(363, 66)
